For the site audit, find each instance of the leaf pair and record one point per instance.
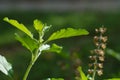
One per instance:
(28, 41)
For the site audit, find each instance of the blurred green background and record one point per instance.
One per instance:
(75, 50)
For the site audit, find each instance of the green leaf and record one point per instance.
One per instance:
(113, 79)
(113, 54)
(65, 33)
(29, 43)
(16, 24)
(38, 25)
(57, 79)
(55, 48)
(83, 77)
(5, 66)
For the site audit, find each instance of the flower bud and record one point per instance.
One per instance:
(99, 72)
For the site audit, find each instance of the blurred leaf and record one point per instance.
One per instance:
(5, 66)
(83, 77)
(29, 43)
(65, 33)
(57, 79)
(38, 25)
(113, 79)
(19, 26)
(113, 54)
(54, 79)
(55, 48)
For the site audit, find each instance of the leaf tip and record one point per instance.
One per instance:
(5, 18)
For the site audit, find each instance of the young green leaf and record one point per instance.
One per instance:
(57, 79)
(69, 32)
(29, 43)
(5, 66)
(16, 24)
(83, 77)
(55, 48)
(38, 25)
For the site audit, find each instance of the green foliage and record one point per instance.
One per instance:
(29, 43)
(65, 33)
(19, 26)
(82, 74)
(36, 46)
(57, 79)
(38, 25)
(5, 67)
(113, 54)
(55, 48)
(113, 79)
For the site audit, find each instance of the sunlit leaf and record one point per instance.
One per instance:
(38, 25)
(83, 77)
(113, 54)
(5, 66)
(16, 24)
(55, 48)
(57, 79)
(113, 79)
(69, 32)
(29, 43)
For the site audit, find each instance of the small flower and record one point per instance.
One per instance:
(102, 30)
(90, 71)
(99, 52)
(103, 45)
(101, 58)
(100, 65)
(93, 57)
(96, 38)
(104, 39)
(100, 72)
(96, 30)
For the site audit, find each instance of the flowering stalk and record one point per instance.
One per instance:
(97, 55)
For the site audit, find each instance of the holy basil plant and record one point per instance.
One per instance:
(37, 45)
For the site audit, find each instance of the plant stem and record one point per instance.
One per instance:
(34, 57)
(27, 71)
(94, 72)
(30, 65)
